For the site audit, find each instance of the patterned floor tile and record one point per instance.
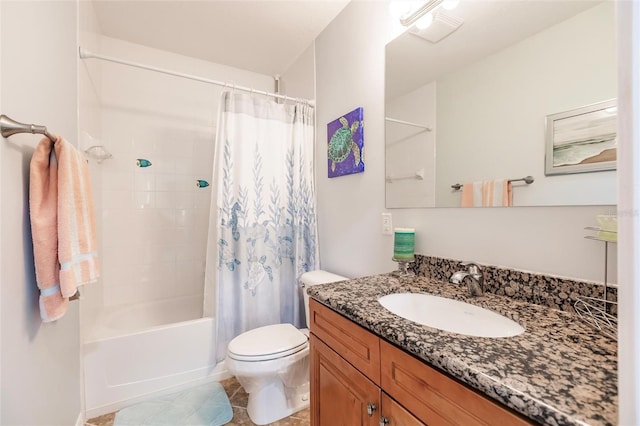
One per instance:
(104, 420)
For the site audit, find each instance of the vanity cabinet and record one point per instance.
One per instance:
(358, 379)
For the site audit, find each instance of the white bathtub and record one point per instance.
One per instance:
(122, 366)
(119, 320)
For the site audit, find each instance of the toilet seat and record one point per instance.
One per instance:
(267, 343)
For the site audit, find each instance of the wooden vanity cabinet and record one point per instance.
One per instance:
(358, 379)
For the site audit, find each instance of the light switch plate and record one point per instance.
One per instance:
(387, 225)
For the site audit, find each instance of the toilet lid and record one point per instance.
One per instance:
(269, 342)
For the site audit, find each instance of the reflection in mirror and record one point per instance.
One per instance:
(472, 106)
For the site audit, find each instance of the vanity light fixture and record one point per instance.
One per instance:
(420, 12)
(422, 16)
(440, 25)
(429, 20)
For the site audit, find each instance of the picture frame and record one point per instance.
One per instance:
(582, 140)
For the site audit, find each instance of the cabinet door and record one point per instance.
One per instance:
(393, 414)
(340, 394)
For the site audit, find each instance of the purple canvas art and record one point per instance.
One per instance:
(345, 148)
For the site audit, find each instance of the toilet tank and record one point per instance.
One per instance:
(316, 277)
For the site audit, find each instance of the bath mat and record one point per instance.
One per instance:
(204, 405)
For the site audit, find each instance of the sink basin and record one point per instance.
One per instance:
(450, 315)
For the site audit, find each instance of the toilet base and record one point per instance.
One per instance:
(271, 402)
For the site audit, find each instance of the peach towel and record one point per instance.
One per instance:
(487, 193)
(62, 225)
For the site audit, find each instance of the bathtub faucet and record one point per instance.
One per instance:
(476, 279)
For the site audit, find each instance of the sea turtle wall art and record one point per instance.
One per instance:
(345, 145)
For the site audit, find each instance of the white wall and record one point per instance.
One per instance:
(90, 134)
(491, 114)
(153, 218)
(299, 79)
(350, 73)
(40, 368)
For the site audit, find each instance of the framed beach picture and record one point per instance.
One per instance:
(582, 140)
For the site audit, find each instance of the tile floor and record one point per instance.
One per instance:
(238, 398)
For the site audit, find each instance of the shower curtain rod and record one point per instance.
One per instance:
(87, 54)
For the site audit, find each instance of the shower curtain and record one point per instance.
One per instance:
(262, 231)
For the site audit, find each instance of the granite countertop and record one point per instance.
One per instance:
(558, 372)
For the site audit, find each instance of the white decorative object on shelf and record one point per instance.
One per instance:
(598, 312)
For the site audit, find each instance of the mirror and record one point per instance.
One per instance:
(473, 105)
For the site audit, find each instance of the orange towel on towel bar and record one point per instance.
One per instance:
(62, 225)
(487, 193)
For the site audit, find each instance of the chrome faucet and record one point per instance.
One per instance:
(476, 281)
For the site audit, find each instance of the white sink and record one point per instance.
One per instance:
(450, 315)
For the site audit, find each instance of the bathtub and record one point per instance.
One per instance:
(135, 353)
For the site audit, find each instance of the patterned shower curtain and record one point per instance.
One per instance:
(263, 215)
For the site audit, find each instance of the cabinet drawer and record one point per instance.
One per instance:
(352, 342)
(433, 397)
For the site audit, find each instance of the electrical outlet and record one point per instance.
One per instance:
(387, 225)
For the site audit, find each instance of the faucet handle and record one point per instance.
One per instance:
(474, 268)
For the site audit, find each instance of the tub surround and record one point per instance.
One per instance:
(559, 371)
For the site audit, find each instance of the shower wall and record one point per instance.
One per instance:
(90, 132)
(153, 214)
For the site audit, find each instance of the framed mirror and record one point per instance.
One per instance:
(467, 100)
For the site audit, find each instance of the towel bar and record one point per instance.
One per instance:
(418, 175)
(9, 127)
(527, 179)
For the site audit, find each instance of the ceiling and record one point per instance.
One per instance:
(489, 26)
(264, 36)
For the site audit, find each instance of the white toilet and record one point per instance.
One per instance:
(272, 363)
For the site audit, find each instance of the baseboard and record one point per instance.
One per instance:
(80, 420)
(116, 406)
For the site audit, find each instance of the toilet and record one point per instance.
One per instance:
(272, 363)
